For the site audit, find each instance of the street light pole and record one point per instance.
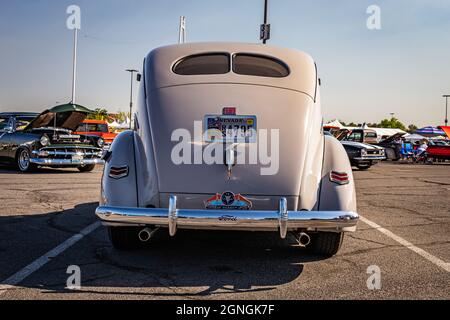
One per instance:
(446, 96)
(131, 71)
(74, 70)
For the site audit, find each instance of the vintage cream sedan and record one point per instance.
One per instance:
(228, 136)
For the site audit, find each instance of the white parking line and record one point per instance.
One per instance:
(440, 263)
(18, 277)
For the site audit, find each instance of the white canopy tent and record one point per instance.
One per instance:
(120, 125)
(381, 132)
(335, 124)
(114, 124)
(414, 137)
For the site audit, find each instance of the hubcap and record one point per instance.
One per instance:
(24, 160)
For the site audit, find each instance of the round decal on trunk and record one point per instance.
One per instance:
(228, 198)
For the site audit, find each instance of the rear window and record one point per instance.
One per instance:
(261, 66)
(210, 63)
(97, 128)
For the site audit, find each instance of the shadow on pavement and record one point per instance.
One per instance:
(194, 263)
(9, 170)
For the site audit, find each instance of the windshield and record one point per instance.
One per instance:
(355, 136)
(4, 124)
(22, 122)
(92, 127)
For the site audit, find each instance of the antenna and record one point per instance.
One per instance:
(182, 34)
(265, 28)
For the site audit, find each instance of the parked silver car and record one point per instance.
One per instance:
(228, 136)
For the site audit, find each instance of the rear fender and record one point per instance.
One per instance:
(120, 191)
(335, 197)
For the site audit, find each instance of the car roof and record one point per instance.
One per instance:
(95, 121)
(19, 114)
(159, 64)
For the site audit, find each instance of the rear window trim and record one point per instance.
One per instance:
(279, 61)
(209, 53)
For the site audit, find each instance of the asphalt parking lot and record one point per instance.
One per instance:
(405, 232)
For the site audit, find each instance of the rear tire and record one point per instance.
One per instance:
(23, 163)
(124, 238)
(87, 168)
(327, 243)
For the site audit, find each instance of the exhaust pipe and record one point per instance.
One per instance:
(146, 234)
(303, 239)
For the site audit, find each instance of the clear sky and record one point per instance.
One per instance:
(402, 68)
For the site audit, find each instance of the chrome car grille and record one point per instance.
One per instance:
(69, 152)
(374, 152)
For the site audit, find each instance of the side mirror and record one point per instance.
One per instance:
(138, 77)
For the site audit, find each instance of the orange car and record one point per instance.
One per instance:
(97, 128)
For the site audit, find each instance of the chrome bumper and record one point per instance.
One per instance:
(368, 158)
(65, 162)
(284, 220)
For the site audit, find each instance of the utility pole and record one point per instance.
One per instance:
(265, 28)
(446, 96)
(182, 33)
(131, 71)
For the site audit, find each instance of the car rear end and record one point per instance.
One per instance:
(190, 90)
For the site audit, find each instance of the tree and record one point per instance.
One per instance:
(99, 114)
(122, 116)
(393, 123)
(412, 128)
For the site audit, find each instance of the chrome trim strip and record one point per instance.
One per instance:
(67, 153)
(70, 147)
(339, 221)
(371, 158)
(64, 162)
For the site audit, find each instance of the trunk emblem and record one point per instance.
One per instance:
(228, 201)
(227, 218)
(228, 198)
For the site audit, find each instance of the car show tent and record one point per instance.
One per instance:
(334, 125)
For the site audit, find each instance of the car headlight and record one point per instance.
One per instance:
(363, 152)
(383, 152)
(45, 141)
(100, 142)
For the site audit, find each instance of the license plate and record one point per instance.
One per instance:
(77, 158)
(230, 128)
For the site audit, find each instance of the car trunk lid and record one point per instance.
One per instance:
(278, 111)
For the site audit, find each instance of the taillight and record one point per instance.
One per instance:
(118, 172)
(339, 177)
